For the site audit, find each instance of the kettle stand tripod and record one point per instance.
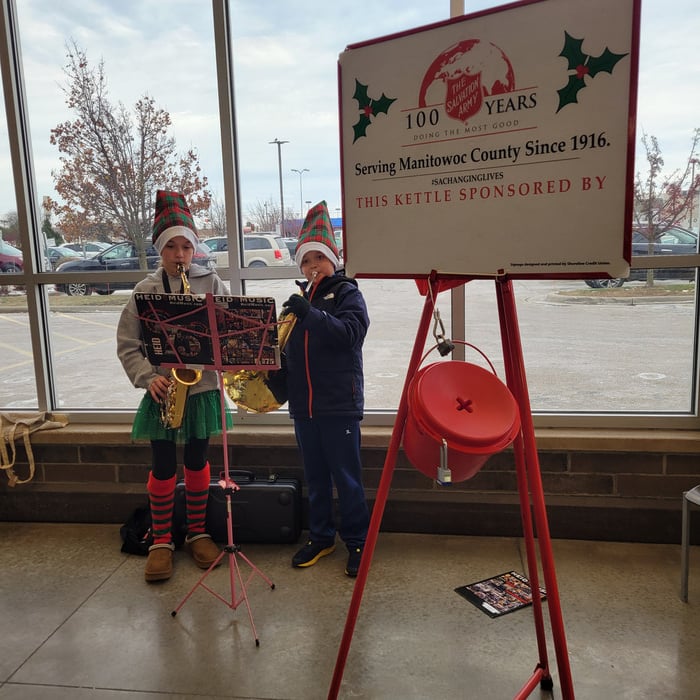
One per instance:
(230, 550)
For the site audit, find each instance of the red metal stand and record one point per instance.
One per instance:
(532, 504)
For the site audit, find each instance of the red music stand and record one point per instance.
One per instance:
(219, 333)
(529, 488)
(231, 549)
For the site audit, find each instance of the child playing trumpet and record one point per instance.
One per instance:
(325, 386)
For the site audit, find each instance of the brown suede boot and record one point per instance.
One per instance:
(159, 565)
(203, 550)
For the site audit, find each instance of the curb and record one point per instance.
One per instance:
(625, 301)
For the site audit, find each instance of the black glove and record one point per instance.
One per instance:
(297, 305)
(277, 381)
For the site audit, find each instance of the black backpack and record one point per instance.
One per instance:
(136, 532)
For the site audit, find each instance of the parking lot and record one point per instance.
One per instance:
(593, 355)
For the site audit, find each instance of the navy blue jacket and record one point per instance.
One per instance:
(324, 352)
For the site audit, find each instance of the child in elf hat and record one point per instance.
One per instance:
(325, 386)
(175, 238)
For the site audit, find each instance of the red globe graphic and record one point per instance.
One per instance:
(461, 76)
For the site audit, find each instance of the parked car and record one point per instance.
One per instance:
(219, 248)
(675, 241)
(10, 258)
(291, 244)
(338, 234)
(121, 256)
(58, 254)
(263, 249)
(259, 250)
(89, 248)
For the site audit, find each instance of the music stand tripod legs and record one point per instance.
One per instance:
(232, 550)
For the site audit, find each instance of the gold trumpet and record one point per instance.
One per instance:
(172, 409)
(247, 388)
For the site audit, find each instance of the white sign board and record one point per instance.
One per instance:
(496, 143)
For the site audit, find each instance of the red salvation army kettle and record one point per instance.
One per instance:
(459, 415)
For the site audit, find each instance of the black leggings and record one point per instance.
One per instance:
(164, 457)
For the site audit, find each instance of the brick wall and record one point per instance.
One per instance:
(607, 485)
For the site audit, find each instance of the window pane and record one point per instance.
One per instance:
(285, 65)
(630, 355)
(17, 381)
(587, 352)
(583, 352)
(166, 78)
(11, 258)
(610, 357)
(394, 308)
(87, 371)
(622, 356)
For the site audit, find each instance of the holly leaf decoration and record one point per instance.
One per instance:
(360, 128)
(361, 94)
(583, 65)
(368, 108)
(605, 62)
(569, 92)
(572, 51)
(381, 106)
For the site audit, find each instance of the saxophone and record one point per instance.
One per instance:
(172, 409)
(247, 388)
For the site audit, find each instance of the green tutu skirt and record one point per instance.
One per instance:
(201, 419)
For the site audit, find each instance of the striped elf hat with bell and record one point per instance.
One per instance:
(172, 218)
(317, 234)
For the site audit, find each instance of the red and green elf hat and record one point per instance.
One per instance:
(317, 234)
(172, 218)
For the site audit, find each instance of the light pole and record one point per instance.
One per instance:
(301, 191)
(279, 165)
(693, 163)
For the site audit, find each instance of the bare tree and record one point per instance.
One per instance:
(265, 216)
(113, 162)
(664, 201)
(217, 217)
(9, 228)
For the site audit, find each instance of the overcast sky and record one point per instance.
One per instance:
(285, 57)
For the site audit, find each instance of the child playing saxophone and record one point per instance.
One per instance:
(175, 238)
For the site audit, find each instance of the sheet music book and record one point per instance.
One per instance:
(209, 331)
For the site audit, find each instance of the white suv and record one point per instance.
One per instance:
(259, 250)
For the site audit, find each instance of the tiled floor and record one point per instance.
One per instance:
(77, 621)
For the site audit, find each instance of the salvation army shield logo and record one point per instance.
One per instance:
(462, 75)
(464, 96)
